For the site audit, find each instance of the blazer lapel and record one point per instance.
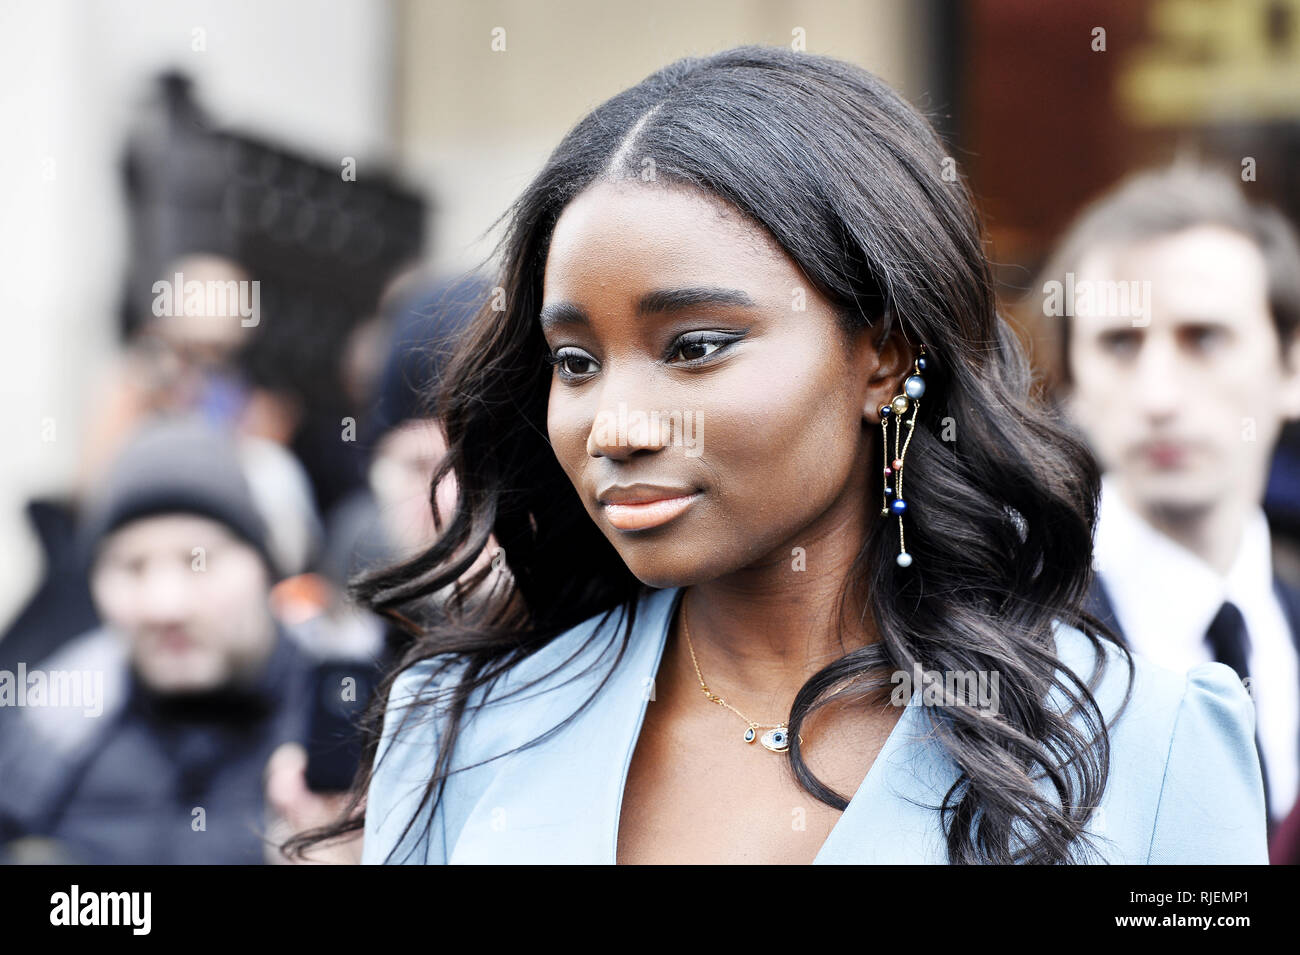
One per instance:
(559, 801)
(892, 818)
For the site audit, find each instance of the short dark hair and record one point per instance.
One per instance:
(1158, 202)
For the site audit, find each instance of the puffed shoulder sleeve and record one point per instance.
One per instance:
(1211, 805)
(404, 760)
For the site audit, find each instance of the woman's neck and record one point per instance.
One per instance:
(760, 633)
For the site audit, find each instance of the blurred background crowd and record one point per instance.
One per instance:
(239, 240)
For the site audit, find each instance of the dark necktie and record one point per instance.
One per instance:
(1230, 645)
(1227, 639)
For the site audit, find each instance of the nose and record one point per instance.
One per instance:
(1159, 380)
(628, 420)
(166, 592)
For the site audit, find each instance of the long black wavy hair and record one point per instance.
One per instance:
(858, 190)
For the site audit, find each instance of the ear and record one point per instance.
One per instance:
(883, 370)
(1291, 379)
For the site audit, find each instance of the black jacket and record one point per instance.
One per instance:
(151, 780)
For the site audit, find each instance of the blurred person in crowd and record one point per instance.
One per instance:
(190, 684)
(1176, 302)
(181, 360)
(392, 518)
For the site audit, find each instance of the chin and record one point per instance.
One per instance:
(1180, 490)
(662, 578)
(664, 568)
(178, 677)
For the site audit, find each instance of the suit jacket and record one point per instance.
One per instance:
(1101, 606)
(1184, 785)
(1285, 841)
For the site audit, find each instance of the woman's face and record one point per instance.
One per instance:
(698, 362)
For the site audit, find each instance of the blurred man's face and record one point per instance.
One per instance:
(190, 597)
(1187, 408)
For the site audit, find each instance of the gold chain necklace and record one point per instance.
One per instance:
(776, 739)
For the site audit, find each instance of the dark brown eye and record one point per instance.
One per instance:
(1122, 343)
(565, 359)
(699, 346)
(1205, 338)
(692, 351)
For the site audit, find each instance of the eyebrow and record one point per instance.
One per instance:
(658, 302)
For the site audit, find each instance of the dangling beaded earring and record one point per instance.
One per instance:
(913, 389)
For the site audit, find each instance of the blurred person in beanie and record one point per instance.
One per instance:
(183, 360)
(188, 686)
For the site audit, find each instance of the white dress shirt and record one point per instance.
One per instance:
(1165, 598)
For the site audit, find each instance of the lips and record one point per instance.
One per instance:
(175, 641)
(1165, 454)
(640, 506)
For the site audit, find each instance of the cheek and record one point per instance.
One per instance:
(112, 599)
(1251, 372)
(1245, 403)
(787, 437)
(568, 426)
(1099, 397)
(445, 497)
(234, 596)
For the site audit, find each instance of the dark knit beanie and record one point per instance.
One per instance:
(428, 324)
(174, 465)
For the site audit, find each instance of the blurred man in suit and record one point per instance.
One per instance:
(1175, 303)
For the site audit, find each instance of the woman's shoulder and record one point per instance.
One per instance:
(1184, 772)
(572, 681)
(1158, 694)
(556, 670)
(549, 677)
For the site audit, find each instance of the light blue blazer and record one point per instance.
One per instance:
(1185, 784)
